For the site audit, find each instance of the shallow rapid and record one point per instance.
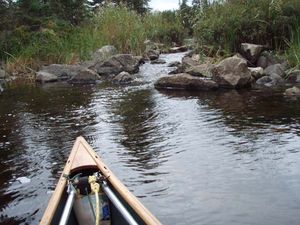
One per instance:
(225, 157)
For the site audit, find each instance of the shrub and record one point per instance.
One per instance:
(226, 24)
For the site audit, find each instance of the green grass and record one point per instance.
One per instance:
(59, 42)
(293, 51)
(226, 24)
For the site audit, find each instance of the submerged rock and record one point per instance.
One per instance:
(185, 81)
(232, 72)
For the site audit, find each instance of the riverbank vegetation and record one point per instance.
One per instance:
(41, 36)
(35, 32)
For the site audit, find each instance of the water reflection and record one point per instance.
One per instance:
(193, 158)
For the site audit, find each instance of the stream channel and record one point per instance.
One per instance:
(223, 157)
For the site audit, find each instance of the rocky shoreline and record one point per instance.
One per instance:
(255, 67)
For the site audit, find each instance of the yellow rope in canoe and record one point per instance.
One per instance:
(95, 187)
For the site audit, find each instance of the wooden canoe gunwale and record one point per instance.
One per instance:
(81, 147)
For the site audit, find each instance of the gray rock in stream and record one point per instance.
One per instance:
(62, 71)
(184, 81)
(116, 64)
(251, 51)
(232, 72)
(45, 77)
(84, 76)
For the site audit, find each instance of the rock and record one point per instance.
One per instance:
(174, 64)
(2, 74)
(270, 81)
(153, 54)
(104, 53)
(1, 89)
(84, 76)
(123, 78)
(276, 79)
(188, 62)
(275, 69)
(202, 70)
(264, 80)
(232, 72)
(179, 69)
(251, 51)
(266, 59)
(62, 71)
(256, 72)
(116, 64)
(158, 61)
(294, 91)
(45, 77)
(294, 77)
(185, 81)
(178, 49)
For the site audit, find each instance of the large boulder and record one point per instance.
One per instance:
(84, 76)
(62, 71)
(185, 81)
(232, 72)
(294, 77)
(275, 69)
(45, 77)
(104, 53)
(123, 78)
(116, 64)
(294, 91)
(251, 51)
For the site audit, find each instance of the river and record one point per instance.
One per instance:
(225, 157)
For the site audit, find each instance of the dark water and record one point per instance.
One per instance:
(192, 158)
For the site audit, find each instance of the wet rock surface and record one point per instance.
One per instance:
(185, 81)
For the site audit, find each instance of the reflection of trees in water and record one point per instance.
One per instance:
(253, 118)
(139, 128)
(40, 126)
(247, 108)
